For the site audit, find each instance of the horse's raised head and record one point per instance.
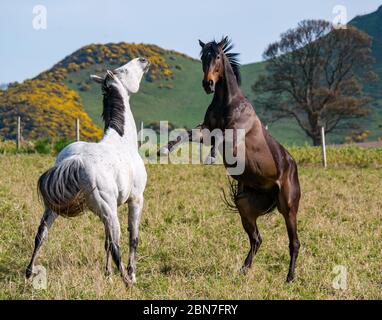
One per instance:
(214, 55)
(127, 77)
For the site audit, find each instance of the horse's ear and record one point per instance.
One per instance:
(222, 42)
(95, 78)
(109, 74)
(201, 43)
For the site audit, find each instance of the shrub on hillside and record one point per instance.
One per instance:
(61, 144)
(358, 136)
(43, 146)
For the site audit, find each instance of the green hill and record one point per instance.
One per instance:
(372, 25)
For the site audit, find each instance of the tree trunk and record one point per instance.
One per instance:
(316, 138)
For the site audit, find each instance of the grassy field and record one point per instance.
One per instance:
(190, 246)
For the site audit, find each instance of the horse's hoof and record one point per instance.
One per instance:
(28, 272)
(163, 151)
(244, 270)
(133, 279)
(107, 273)
(210, 160)
(128, 282)
(290, 278)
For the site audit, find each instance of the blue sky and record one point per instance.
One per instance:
(171, 24)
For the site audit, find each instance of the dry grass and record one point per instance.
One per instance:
(191, 247)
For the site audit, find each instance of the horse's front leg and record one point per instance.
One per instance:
(194, 135)
(135, 211)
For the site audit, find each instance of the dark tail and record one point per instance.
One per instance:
(263, 200)
(60, 188)
(230, 200)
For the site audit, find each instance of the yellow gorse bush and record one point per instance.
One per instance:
(47, 109)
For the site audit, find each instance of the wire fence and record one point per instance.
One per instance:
(200, 150)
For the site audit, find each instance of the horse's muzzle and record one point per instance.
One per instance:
(209, 86)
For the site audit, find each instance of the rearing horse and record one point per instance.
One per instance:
(270, 177)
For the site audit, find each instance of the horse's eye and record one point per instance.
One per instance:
(218, 57)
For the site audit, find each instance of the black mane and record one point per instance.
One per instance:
(113, 109)
(212, 49)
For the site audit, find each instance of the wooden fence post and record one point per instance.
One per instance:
(201, 153)
(77, 129)
(18, 133)
(141, 132)
(323, 145)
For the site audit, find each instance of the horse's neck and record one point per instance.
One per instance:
(130, 136)
(130, 133)
(228, 87)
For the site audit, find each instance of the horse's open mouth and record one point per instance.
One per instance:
(209, 90)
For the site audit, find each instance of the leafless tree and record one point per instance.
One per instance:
(314, 73)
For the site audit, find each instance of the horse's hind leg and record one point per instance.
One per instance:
(113, 235)
(249, 216)
(113, 231)
(294, 243)
(108, 269)
(105, 207)
(288, 202)
(135, 211)
(46, 222)
(255, 241)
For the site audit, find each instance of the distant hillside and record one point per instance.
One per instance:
(372, 25)
(171, 90)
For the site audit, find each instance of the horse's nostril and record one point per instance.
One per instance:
(210, 83)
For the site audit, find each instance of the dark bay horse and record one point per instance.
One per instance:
(270, 177)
